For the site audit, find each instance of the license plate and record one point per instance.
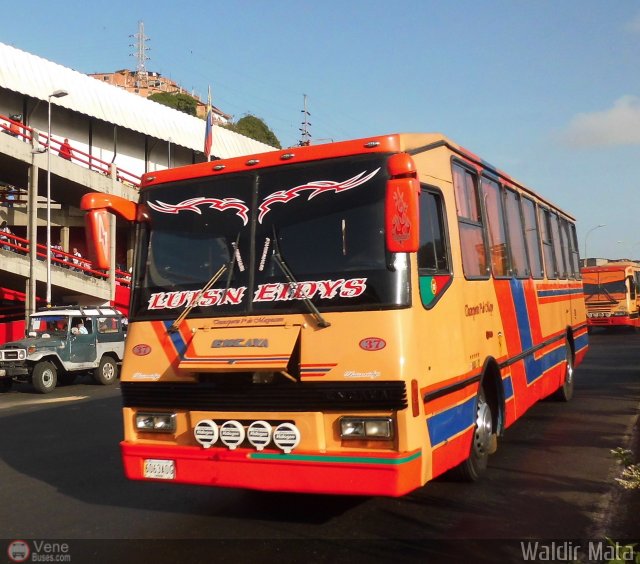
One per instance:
(159, 469)
(3, 372)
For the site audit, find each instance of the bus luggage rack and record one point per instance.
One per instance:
(312, 396)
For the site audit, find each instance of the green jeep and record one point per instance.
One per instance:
(60, 343)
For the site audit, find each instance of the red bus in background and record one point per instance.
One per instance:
(611, 294)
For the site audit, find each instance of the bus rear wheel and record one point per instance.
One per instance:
(484, 442)
(565, 392)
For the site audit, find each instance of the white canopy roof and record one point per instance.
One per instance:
(36, 77)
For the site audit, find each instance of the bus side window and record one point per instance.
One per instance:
(547, 244)
(532, 237)
(474, 252)
(559, 247)
(515, 235)
(495, 229)
(433, 255)
(575, 253)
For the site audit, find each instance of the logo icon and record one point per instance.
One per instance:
(18, 551)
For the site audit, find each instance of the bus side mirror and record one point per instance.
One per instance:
(98, 225)
(98, 229)
(402, 217)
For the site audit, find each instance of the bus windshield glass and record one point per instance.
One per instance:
(284, 235)
(604, 285)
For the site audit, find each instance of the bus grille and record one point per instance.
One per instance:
(315, 396)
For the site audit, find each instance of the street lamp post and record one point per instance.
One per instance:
(54, 94)
(585, 239)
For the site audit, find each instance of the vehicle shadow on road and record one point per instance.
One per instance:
(74, 448)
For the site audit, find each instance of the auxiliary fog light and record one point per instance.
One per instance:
(259, 434)
(156, 422)
(366, 428)
(286, 437)
(232, 434)
(206, 432)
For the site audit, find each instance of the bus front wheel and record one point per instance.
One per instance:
(484, 442)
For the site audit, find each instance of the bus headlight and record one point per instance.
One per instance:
(366, 428)
(156, 422)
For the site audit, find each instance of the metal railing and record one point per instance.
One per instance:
(18, 129)
(19, 245)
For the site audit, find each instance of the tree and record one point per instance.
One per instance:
(181, 102)
(255, 128)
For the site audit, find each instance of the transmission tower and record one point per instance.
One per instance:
(140, 55)
(306, 135)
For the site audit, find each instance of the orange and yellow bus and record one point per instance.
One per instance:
(611, 294)
(349, 318)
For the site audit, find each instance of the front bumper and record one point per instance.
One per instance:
(612, 321)
(349, 473)
(12, 371)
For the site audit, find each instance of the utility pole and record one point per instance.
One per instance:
(306, 136)
(140, 55)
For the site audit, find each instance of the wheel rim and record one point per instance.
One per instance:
(482, 436)
(568, 379)
(47, 378)
(108, 371)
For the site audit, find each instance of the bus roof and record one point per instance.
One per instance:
(610, 267)
(412, 143)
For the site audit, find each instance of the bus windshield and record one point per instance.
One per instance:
(324, 222)
(605, 286)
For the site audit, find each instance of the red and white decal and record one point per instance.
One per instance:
(316, 187)
(323, 289)
(401, 222)
(211, 297)
(242, 211)
(141, 350)
(373, 344)
(276, 292)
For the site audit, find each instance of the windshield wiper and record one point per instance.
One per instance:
(227, 266)
(194, 302)
(320, 320)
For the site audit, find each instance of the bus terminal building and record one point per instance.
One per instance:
(114, 137)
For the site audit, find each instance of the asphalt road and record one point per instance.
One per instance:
(552, 479)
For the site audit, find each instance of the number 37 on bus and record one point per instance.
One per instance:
(350, 318)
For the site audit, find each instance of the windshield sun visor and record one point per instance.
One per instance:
(241, 349)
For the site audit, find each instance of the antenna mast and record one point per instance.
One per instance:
(306, 136)
(140, 55)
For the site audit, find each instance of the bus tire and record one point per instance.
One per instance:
(44, 377)
(483, 443)
(565, 392)
(107, 371)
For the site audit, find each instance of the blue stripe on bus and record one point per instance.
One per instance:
(534, 368)
(507, 386)
(176, 338)
(451, 421)
(522, 314)
(560, 292)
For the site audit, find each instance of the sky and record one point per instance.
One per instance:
(547, 91)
